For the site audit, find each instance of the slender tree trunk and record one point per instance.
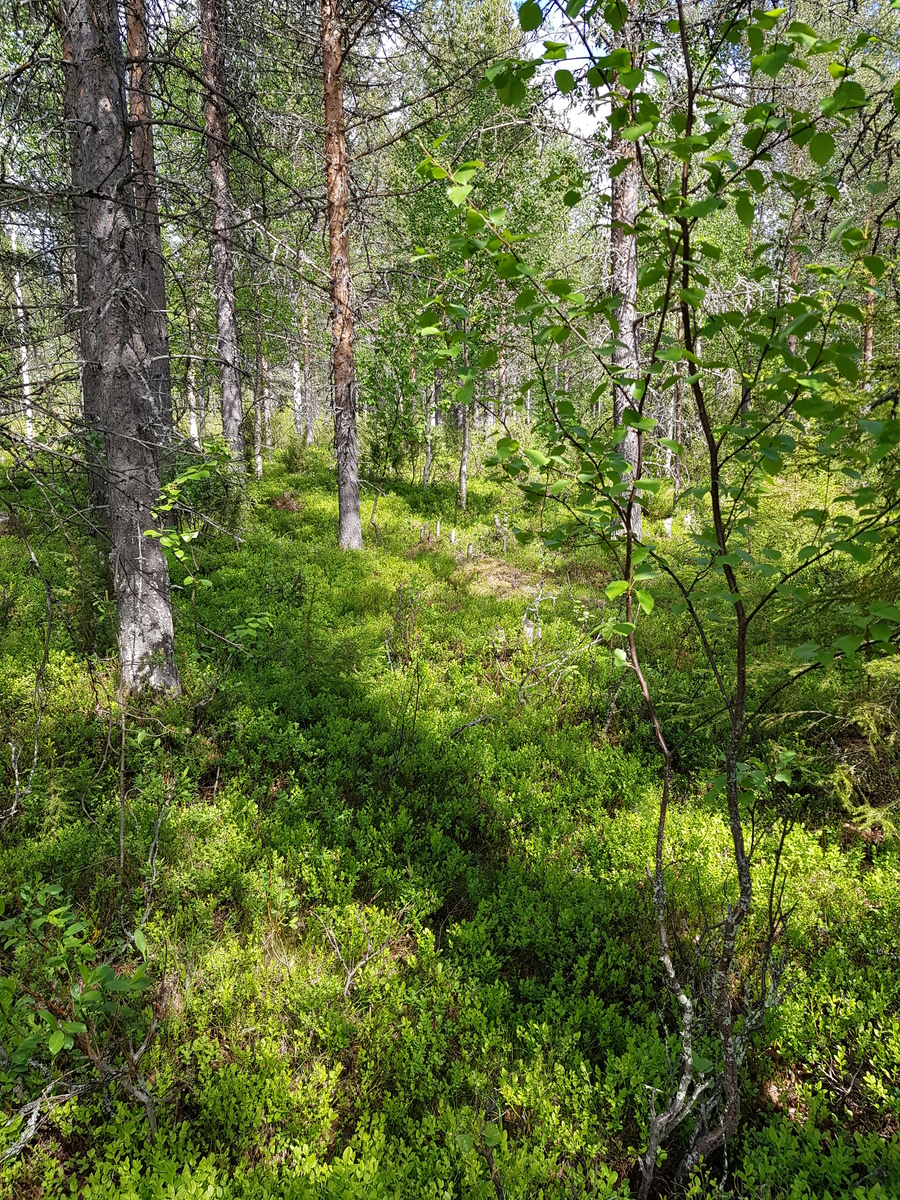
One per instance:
(114, 301)
(190, 380)
(257, 404)
(501, 363)
(147, 224)
(464, 456)
(191, 390)
(297, 397)
(308, 414)
(24, 353)
(345, 446)
(794, 260)
(676, 434)
(267, 411)
(623, 281)
(426, 470)
(869, 339)
(217, 151)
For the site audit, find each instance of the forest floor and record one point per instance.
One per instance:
(399, 926)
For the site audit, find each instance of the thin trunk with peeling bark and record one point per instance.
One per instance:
(114, 301)
(336, 182)
(624, 283)
(215, 110)
(147, 217)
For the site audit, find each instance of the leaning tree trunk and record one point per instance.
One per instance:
(113, 299)
(147, 218)
(345, 447)
(624, 283)
(217, 145)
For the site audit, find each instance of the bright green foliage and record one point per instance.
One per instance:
(461, 813)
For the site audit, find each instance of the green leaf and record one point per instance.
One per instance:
(617, 588)
(624, 628)
(620, 656)
(631, 79)
(701, 1065)
(850, 643)
(56, 1042)
(491, 1135)
(634, 420)
(530, 16)
(858, 553)
(565, 81)
(743, 206)
(633, 132)
(140, 941)
(645, 600)
(821, 148)
(466, 1142)
(457, 195)
(805, 653)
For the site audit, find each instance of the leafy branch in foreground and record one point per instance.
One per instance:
(708, 165)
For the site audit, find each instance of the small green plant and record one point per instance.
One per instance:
(66, 1019)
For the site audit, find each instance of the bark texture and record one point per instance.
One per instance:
(215, 111)
(336, 172)
(114, 302)
(147, 224)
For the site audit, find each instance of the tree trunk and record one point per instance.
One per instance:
(191, 390)
(147, 225)
(195, 422)
(869, 339)
(308, 414)
(464, 457)
(624, 283)
(501, 366)
(676, 434)
(257, 406)
(24, 353)
(114, 301)
(297, 397)
(426, 470)
(345, 447)
(216, 122)
(267, 411)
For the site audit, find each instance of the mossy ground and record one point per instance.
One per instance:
(371, 758)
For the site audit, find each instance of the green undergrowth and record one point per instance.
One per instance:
(400, 911)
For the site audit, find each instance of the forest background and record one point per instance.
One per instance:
(449, 578)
